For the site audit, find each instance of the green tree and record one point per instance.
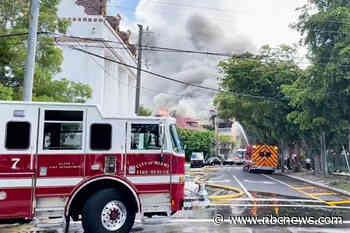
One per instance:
(321, 98)
(14, 18)
(143, 111)
(252, 94)
(225, 140)
(196, 141)
(5, 93)
(225, 144)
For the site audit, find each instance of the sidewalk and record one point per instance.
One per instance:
(332, 181)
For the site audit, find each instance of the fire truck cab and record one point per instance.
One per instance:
(71, 161)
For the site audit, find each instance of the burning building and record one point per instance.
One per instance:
(181, 122)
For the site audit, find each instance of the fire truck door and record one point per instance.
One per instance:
(18, 133)
(147, 160)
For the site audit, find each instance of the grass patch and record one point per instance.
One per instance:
(343, 186)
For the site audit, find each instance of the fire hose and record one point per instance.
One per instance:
(238, 193)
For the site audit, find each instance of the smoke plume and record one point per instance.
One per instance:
(188, 29)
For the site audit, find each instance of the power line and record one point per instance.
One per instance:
(146, 71)
(146, 47)
(158, 49)
(174, 80)
(124, 84)
(20, 34)
(162, 49)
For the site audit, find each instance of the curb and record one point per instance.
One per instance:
(318, 184)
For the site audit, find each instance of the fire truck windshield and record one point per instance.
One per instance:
(175, 140)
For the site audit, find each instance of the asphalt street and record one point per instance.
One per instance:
(264, 195)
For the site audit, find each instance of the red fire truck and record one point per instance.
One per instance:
(71, 161)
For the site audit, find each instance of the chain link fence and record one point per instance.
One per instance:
(338, 162)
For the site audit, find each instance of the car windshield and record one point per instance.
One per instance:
(197, 156)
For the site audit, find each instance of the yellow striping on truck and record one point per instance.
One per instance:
(261, 157)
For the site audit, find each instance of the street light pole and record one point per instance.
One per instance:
(31, 51)
(138, 78)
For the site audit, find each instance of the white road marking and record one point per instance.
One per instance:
(274, 205)
(258, 182)
(242, 186)
(213, 181)
(281, 182)
(315, 230)
(271, 199)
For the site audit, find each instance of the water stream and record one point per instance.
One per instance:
(242, 131)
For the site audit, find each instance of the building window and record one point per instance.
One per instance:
(101, 137)
(145, 137)
(17, 136)
(63, 130)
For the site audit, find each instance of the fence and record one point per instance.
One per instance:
(337, 162)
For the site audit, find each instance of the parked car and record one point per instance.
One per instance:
(238, 156)
(228, 161)
(197, 159)
(212, 161)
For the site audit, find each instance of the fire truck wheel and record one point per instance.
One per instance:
(108, 211)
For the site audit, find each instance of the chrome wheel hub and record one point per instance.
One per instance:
(113, 215)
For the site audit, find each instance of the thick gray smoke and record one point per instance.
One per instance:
(200, 30)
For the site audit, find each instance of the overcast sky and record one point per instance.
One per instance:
(229, 26)
(263, 21)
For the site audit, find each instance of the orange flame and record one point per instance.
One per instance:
(163, 112)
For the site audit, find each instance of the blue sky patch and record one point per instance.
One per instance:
(125, 7)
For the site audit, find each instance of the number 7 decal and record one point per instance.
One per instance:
(15, 162)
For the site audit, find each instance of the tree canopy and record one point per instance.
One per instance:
(252, 93)
(196, 141)
(14, 22)
(143, 111)
(280, 103)
(225, 140)
(321, 97)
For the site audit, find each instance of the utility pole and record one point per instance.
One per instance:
(31, 51)
(324, 166)
(138, 78)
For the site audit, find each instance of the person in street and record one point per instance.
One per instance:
(308, 163)
(288, 162)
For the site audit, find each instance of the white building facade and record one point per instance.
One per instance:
(113, 85)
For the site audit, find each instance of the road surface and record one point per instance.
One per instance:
(264, 195)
